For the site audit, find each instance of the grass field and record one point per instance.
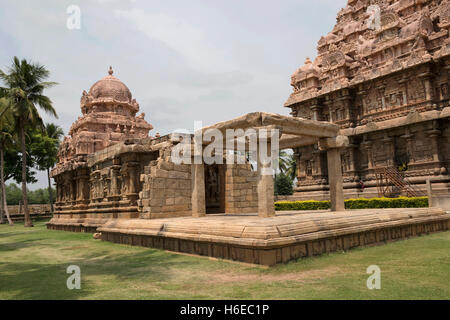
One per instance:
(33, 264)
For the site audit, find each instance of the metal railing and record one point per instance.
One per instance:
(391, 182)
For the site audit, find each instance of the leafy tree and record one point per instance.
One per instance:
(13, 194)
(288, 165)
(283, 185)
(24, 90)
(13, 159)
(39, 196)
(45, 152)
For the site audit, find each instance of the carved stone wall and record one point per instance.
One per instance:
(382, 75)
(138, 179)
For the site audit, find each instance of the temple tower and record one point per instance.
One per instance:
(109, 116)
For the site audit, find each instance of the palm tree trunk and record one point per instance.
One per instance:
(2, 210)
(50, 193)
(28, 222)
(2, 182)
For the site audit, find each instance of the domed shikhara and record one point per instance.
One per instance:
(109, 94)
(109, 116)
(110, 87)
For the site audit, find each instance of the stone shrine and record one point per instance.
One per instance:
(108, 117)
(382, 75)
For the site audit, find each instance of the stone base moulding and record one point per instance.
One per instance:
(72, 228)
(87, 222)
(288, 236)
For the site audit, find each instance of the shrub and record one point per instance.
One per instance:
(283, 185)
(39, 196)
(302, 205)
(375, 203)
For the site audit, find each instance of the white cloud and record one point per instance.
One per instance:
(187, 40)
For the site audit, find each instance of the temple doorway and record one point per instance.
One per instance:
(215, 188)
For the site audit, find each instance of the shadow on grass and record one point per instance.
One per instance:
(48, 281)
(10, 234)
(18, 245)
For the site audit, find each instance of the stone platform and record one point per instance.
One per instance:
(287, 236)
(89, 222)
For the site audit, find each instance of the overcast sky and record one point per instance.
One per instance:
(183, 61)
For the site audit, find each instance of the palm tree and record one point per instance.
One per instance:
(288, 164)
(5, 139)
(24, 88)
(55, 133)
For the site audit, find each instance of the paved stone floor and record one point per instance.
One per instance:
(268, 241)
(285, 226)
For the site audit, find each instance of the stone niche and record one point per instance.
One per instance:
(106, 187)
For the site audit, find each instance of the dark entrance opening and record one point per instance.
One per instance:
(215, 188)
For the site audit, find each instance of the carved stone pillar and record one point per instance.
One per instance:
(58, 191)
(198, 190)
(298, 162)
(404, 83)
(79, 184)
(346, 102)
(327, 106)
(316, 112)
(352, 170)
(95, 186)
(115, 171)
(335, 180)
(381, 90)
(130, 179)
(389, 144)
(82, 187)
(434, 137)
(409, 146)
(361, 94)
(367, 146)
(71, 191)
(133, 178)
(317, 165)
(426, 78)
(266, 197)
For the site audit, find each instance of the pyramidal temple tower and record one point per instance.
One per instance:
(109, 116)
(382, 75)
(108, 120)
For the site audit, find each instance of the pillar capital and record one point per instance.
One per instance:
(333, 143)
(434, 133)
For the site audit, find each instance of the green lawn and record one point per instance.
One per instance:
(33, 265)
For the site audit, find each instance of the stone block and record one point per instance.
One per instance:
(157, 202)
(182, 200)
(165, 165)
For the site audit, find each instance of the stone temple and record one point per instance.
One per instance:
(375, 96)
(382, 75)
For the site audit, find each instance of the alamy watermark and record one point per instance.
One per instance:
(374, 281)
(74, 280)
(73, 22)
(235, 146)
(374, 20)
